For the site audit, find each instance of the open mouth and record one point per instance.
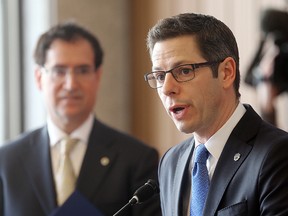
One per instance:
(177, 110)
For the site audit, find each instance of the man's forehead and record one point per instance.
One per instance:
(175, 51)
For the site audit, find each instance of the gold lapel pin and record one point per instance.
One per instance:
(104, 161)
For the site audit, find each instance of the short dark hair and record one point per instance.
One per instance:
(215, 40)
(68, 32)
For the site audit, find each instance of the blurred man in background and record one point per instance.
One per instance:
(74, 151)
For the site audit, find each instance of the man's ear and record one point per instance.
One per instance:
(38, 77)
(227, 72)
(99, 72)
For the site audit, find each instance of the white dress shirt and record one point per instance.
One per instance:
(77, 153)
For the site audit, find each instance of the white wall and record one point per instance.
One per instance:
(38, 16)
(9, 72)
(2, 101)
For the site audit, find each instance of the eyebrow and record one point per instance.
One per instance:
(157, 69)
(173, 66)
(76, 66)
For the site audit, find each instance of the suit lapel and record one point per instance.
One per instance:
(37, 163)
(226, 168)
(97, 161)
(229, 161)
(180, 181)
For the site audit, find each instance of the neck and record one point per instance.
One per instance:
(68, 125)
(223, 114)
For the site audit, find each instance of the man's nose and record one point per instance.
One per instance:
(70, 79)
(170, 85)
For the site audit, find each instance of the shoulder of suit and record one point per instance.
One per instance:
(121, 137)
(22, 139)
(179, 149)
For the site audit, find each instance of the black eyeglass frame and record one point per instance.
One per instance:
(194, 67)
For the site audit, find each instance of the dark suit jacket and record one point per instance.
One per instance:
(27, 186)
(256, 184)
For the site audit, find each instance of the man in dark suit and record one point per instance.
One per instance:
(109, 165)
(245, 160)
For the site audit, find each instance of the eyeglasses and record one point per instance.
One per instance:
(181, 73)
(59, 73)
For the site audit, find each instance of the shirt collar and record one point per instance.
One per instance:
(217, 142)
(81, 133)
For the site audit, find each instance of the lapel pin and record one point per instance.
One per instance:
(237, 156)
(104, 161)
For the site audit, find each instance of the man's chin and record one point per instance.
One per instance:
(69, 115)
(183, 128)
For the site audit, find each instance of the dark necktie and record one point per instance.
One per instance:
(200, 181)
